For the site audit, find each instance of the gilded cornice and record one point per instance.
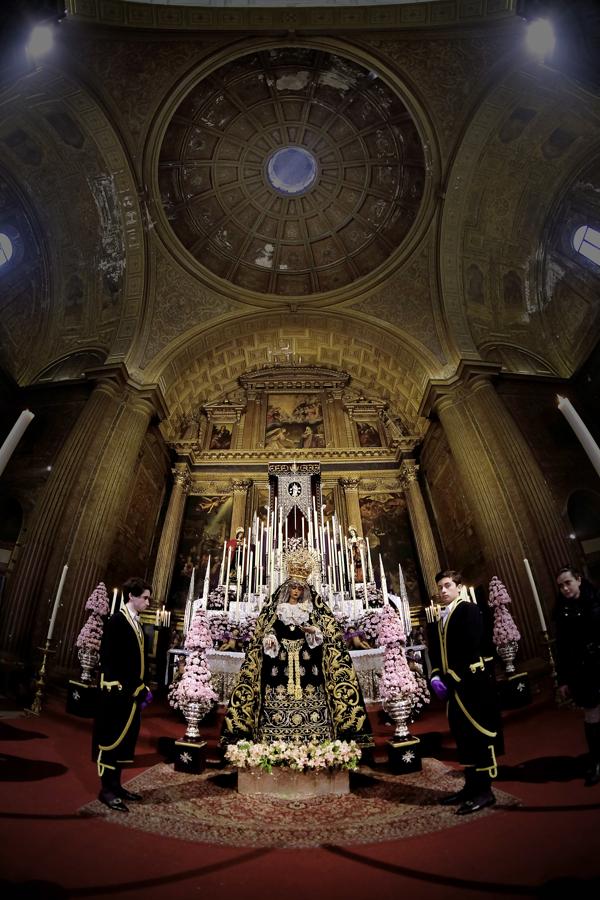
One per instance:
(227, 458)
(231, 18)
(295, 377)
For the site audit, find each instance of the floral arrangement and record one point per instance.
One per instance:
(505, 629)
(421, 696)
(299, 757)
(396, 679)
(194, 685)
(223, 628)
(90, 636)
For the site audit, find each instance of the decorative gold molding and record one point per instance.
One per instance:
(376, 17)
(294, 378)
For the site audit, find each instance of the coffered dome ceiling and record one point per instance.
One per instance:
(291, 171)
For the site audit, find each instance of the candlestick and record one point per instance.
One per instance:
(14, 436)
(581, 430)
(384, 589)
(535, 595)
(36, 706)
(56, 603)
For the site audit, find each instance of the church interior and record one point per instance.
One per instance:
(360, 239)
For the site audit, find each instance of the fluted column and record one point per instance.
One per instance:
(350, 487)
(169, 539)
(238, 510)
(420, 524)
(514, 513)
(77, 518)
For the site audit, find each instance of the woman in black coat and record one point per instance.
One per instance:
(577, 620)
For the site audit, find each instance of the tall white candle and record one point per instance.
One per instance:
(371, 577)
(206, 584)
(61, 585)
(472, 594)
(14, 436)
(384, 589)
(222, 572)
(226, 601)
(535, 595)
(581, 430)
(113, 606)
(251, 574)
(362, 563)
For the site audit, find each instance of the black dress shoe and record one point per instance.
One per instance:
(113, 803)
(592, 776)
(453, 799)
(476, 804)
(129, 795)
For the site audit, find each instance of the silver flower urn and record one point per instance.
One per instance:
(399, 709)
(194, 711)
(89, 659)
(507, 653)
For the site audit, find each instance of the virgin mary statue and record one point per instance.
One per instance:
(297, 682)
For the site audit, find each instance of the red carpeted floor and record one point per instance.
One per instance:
(548, 846)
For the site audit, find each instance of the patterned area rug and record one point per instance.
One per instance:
(207, 808)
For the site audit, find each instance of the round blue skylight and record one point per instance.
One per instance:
(292, 170)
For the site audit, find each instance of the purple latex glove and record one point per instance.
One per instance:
(439, 688)
(147, 699)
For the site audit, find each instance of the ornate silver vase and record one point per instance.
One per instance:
(89, 660)
(399, 709)
(507, 653)
(194, 711)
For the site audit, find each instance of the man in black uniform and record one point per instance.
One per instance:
(460, 675)
(122, 692)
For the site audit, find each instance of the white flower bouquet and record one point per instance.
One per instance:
(298, 757)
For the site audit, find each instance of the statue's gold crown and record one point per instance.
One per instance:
(300, 564)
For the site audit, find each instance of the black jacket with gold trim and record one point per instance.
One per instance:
(457, 651)
(122, 689)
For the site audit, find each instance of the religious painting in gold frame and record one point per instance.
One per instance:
(386, 524)
(294, 421)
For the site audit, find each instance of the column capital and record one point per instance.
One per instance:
(351, 484)
(456, 386)
(116, 378)
(241, 486)
(409, 469)
(181, 476)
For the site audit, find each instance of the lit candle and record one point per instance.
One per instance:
(535, 595)
(56, 603)
(581, 430)
(113, 606)
(14, 436)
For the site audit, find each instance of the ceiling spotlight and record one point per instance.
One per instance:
(540, 38)
(40, 41)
